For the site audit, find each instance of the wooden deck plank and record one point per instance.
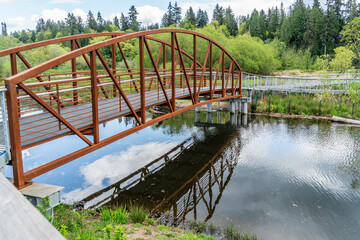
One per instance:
(19, 219)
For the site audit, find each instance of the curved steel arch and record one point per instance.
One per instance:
(77, 105)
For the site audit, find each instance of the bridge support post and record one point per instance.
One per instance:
(197, 117)
(197, 109)
(244, 119)
(209, 117)
(232, 107)
(209, 107)
(245, 108)
(218, 106)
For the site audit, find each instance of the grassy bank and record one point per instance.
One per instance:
(308, 104)
(131, 223)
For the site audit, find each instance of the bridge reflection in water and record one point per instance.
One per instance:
(194, 172)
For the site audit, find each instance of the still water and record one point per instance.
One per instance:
(276, 178)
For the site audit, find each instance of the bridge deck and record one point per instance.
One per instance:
(43, 126)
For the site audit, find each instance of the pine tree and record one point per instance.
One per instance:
(190, 16)
(164, 20)
(315, 29)
(202, 18)
(297, 23)
(177, 13)
(230, 22)
(132, 16)
(91, 22)
(3, 29)
(351, 10)
(116, 22)
(332, 27)
(100, 22)
(40, 25)
(274, 23)
(124, 23)
(219, 14)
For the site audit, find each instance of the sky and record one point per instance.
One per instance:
(23, 14)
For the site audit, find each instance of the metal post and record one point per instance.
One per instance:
(173, 66)
(113, 64)
(194, 65)
(223, 74)
(164, 64)
(211, 69)
(5, 126)
(142, 79)
(14, 130)
(74, 75)
(94, 97)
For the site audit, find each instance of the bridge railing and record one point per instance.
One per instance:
(337, 83)
(44, 106)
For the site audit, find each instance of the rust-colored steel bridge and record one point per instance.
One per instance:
(46, 102)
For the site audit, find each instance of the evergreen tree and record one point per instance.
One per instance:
(230, 22)
(3, 29)
(134, 24)
(202, 18)
(274, 23)
(177, 14)
(219, 14)
(164, 20)
(91, 22)
(315, 29)
(190, 16)
(297, 23)
(100, 22)
(332, 28)
(40, 25)
(124, 23)
(351, 10)
(116, 22)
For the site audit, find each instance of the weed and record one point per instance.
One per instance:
(147, 231)
(247, 236)
(150, 221)
(119, 234)
(212, 228)
(232, 233)
(197, 227)
(138, 214)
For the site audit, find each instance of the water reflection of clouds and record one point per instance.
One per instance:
(111, 168)
(300, 155)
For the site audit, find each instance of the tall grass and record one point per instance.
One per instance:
(308, 104)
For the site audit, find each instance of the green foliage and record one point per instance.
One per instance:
(138, 214)
(324, 105)
(119, 215)
(342, 60)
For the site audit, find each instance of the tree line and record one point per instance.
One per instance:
(302, 37)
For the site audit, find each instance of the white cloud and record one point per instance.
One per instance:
(17, 23)
(79, 12)
(55, 14)
(6, 1)
(66, 1)
(149, 14)
(34, 17)
(238, 7)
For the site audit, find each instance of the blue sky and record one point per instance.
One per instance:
(22, 14)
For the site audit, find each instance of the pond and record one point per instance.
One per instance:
(273, 177)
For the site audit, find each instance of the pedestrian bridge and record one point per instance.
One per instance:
(93, 84)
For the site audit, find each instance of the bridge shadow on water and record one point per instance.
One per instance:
(192, 175)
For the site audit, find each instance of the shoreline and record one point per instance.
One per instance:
(335, 119)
